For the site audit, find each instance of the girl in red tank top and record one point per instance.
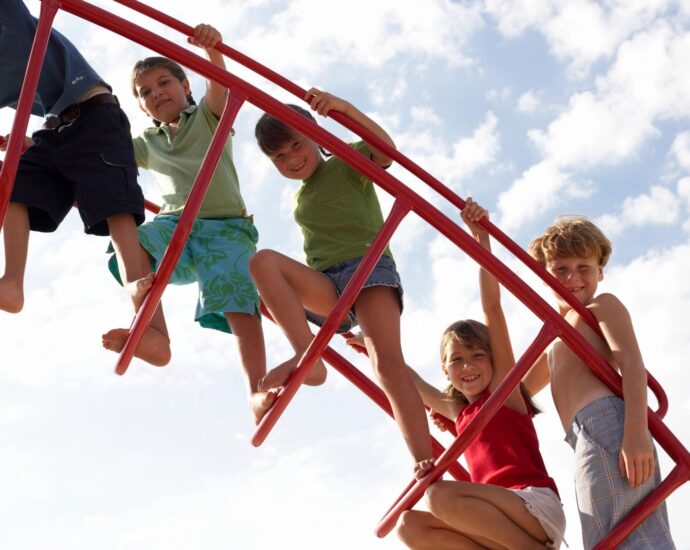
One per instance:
(512, 502)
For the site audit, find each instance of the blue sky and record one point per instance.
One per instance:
(534, 107)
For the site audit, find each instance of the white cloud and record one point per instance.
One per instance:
(541, 187)
(528, 102)
(681, 149)
(660, 206)
(565, 23)
(607, 126)
(515, 16)
(431, 30)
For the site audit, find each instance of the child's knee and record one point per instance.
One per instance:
(439, 499)
(409, 528)
(388, 368)
(262, 262)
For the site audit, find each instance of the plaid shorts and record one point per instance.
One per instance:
(216, 257)
(603, 495)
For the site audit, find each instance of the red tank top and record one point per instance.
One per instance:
(506, 452)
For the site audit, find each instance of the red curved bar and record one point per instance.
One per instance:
(406, 200)
(408, 164)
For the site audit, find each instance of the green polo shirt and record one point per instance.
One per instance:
(175, 161)
(338, 212)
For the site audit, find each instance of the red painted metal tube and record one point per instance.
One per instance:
(181, 233)
(637, 515)
(410, 497)
(384, 180)
(408, 164)
(26, 99)
(332, 322)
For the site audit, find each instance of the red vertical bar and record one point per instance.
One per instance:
(410, 496)
(26, 99)
(333, 321)
(181, 233)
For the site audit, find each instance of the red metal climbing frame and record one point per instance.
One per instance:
(406, 201)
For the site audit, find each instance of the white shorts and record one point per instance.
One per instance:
(545, 505)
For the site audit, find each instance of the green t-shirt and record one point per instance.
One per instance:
(338, 212)
(175, 161)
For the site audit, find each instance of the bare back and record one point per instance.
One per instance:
(573, 384)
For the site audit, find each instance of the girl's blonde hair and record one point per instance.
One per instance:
(473, 335)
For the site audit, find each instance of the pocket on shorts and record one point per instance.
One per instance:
(122, 161)
(119, 159)
(606, 430)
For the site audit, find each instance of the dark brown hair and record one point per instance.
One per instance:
(271, 133)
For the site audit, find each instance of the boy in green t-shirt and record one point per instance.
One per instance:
(339, 214)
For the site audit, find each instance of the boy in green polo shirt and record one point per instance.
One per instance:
(223, 237)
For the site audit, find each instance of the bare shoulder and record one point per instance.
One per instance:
(606, 302)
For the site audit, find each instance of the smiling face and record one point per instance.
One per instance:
(162, 96)
(470, 370)
(580, 276)
(298, 158)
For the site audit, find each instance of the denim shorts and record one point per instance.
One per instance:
(383, 274)
(216, 257)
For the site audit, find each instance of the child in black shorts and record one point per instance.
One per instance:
(83, 153)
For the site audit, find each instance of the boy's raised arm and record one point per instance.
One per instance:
(207, 37)
(323, 102)
(636, 460)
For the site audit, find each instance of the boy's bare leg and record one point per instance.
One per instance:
(250, 345)
(135, 272)
(378, 312)
(286, 288)
(16, 239)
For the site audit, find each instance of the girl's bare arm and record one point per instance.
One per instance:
(501, 350)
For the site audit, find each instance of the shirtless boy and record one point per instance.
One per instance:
(615, 460)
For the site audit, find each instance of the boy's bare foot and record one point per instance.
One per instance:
(278, 376)
(138, 289)
(261, 401)
(11, 296)
(154, 347)
(356, 342)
